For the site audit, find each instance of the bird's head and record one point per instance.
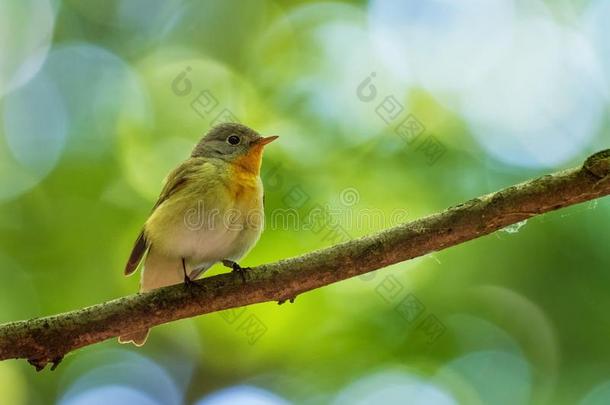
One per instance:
(233, 143)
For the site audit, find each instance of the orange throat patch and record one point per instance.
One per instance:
(250, 163)
(244, 173)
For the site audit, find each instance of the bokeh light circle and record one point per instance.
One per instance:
(35, 129)
(541, 106)
(524, 341)
(444, 45)
(314, 62)
(121, 378)
(393, 388)
(596, 26)
(96, 85)
(111, 394)
(26, 31)
(242, 395)
(497, 377)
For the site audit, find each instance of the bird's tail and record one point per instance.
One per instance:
(159, 271)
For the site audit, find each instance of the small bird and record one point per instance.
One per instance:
(210, 210)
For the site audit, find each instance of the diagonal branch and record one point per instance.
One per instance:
(47, 340)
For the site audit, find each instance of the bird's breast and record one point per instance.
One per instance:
(211, 219)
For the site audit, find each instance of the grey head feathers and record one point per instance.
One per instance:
(226, 141)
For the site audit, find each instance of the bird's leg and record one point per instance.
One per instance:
(236, 268)
(187, 280)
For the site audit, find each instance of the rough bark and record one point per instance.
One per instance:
(47, 340)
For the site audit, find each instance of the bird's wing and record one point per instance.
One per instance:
(174, 182)
(178, 178)
(136, 254)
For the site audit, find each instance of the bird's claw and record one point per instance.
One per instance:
(189, 282)
(236, 268)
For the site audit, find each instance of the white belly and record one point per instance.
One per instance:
(209, 235)
(210, 244)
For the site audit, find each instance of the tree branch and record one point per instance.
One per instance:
(47, 340)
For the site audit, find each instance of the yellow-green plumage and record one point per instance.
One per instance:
(210, 210)
(197, 223)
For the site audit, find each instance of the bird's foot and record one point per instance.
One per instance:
(188, 282)
(291, 300)
(236, 268)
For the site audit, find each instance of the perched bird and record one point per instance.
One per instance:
(210, 210)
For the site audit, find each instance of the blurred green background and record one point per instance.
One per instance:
(387, 110)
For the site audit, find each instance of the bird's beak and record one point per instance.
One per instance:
(267, 139)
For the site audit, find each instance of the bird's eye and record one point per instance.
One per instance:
(233, 140)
